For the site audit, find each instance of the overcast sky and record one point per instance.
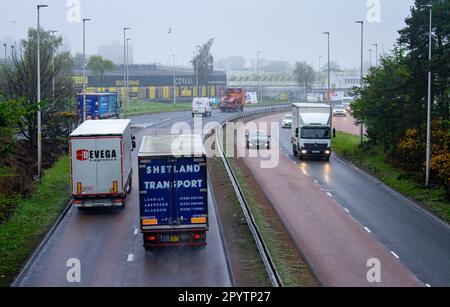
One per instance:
(281, 29)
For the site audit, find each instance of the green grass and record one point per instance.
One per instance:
(373, 161)
(143, 107)
(21, 234)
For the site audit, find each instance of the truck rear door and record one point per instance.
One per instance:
(191, 191)
(155, 193)
(96, 166)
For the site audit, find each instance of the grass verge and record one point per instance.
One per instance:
(21, 234)
(373, 161)
(143, 107)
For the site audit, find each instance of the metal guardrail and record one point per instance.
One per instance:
(262, 247)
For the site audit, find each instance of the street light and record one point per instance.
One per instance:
(197, 50)
(39, 126)
(128, 75)
(125, 29)
(361, 132)
(258, 77)
(428, 158)
(53, 68)
(376, 53)
(174, 82)
(84, 67)
(329, 73)
(4, 45)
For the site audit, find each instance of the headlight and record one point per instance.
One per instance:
(328, 152)
(304, 151)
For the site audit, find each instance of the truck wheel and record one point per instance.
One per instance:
(294, 150)
(248, 145)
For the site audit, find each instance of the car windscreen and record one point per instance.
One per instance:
(316, 133)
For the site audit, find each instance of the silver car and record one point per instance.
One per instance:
(287, 121)
(258, 139)
(339, 110)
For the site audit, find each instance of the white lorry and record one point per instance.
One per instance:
(311, 130)
(201, 106)
(100, 163)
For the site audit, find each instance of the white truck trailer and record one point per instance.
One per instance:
(311, 130)
(100, 163)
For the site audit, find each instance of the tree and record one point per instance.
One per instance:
(19, 84)
(99, 65)
(304, 74)
(204, 61)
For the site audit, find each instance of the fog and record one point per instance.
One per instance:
(282, 30)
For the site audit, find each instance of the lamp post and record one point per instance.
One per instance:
(125, 29)
(376, 53)
(39, 115)
(84, 67)
(128, 75)
(174, 82)
(258, 77)
(197, 52)
(430, 38)
(329, 71)
(361, 127)
(53, 68)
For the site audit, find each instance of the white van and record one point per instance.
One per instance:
(100, 163)
(201, 106)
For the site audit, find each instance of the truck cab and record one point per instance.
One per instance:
(311, 130)
(234, 100)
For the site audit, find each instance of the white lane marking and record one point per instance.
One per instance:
(368, 230)
(395, 255)
(136, 231)
(329, 194)
(130, 258)
(346, 210)
(428, 285)
(316, 181)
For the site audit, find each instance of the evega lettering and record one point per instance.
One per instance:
(169, 169)
(169, 184)
(102, 154)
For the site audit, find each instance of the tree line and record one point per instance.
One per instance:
(393, 102)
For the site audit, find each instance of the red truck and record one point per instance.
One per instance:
(234, 100)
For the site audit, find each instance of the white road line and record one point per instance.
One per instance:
(316, 181)
(130, 258)
(136, 231)
(395, 255)
(329, 194)
(368, 230)
(428, 285)
(346, 210)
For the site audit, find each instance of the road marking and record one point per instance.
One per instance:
(368, 230)
(136, 231)
(130, 258)
(316, 181)
(346, 210)
(428, 285)
(329, 194)
(395, 255)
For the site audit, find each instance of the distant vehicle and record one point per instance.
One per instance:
(339, 110)
(100, 163)
(173, 191)
(202, 106)
(287, 121)
(234, 100)
(99, 106)
(311, 130)
(258, 139)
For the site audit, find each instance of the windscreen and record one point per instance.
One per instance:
(316, 133)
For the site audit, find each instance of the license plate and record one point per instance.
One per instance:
(316, 151)
(170, 239)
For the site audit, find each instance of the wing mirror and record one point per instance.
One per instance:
(133, 142)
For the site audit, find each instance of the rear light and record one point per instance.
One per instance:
(197, 237)
(118, 200)
(152, 238)
(78, 202)
(115, 187)
(79, 188)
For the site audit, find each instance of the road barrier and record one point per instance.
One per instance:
(262, 247)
